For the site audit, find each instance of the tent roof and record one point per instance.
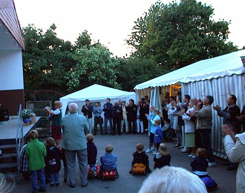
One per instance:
(9, 18)
(220, 66)
(97, 92)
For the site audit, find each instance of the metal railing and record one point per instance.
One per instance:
(19, 141)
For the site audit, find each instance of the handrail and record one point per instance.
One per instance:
(19, 141)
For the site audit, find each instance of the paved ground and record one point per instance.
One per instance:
(124, 146)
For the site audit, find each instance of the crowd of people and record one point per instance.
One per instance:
(122, 117)
(189, 122)
(192, 122)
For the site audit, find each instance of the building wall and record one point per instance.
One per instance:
(11, 80)
(220, 89)
(11, 70)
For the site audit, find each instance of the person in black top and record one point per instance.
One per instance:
(162, 158)
(241, 118)
(200, 164)
(52, 161)
(230, 113)
(107, 108)
(143, 112)
(140, 157)
(131, 115)
(92, 153)
(117, 117)
(87, 111)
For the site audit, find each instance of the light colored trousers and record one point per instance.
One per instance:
(89, 124)
(140, 126)
(126, 125)
(71, 165)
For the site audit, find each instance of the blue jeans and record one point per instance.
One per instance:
(105, 124)
(34, 180)
(54, 178)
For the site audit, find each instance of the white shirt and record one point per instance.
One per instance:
(56, 111)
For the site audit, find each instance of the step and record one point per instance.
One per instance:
(7, 146)
(8, 165)
(44, 135)
(8, 155)
(11, 175)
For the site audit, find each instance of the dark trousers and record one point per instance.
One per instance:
(151, 139)
(179, 136)
(157, 146)
(145, 122)
(116, 125)
(97, 120)
(206, 143)
(105, 124)
(130, 122)
(168, 134)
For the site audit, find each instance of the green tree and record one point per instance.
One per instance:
(178, 34)
(94, 66)
(46, 60)
(134, 70)
(83, 39)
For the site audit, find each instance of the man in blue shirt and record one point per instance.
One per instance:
(97, 118)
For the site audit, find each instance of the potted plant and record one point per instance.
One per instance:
(26, 115)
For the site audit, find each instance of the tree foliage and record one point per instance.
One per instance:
(46, 60)
(94, 66)
(134, 70)
(83, 39)
(52, 63)
(178, 34)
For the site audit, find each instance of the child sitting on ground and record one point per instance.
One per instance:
(140, 157)
(200, 165)
(36, 151)
(52, 161)
(162, 158)
(92, 153)
(108, 161)
(167, 131)
(158, 136)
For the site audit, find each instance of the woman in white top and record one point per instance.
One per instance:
(173, 115)
(124, 117)
(190, 127)
(235, 151)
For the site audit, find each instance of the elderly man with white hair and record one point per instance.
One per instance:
(75, 129)
(172, 180)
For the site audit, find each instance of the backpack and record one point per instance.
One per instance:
(53, 163)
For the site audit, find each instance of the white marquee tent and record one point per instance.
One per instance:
(218, 76)
(95, 93)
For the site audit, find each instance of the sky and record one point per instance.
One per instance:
(111, 21)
